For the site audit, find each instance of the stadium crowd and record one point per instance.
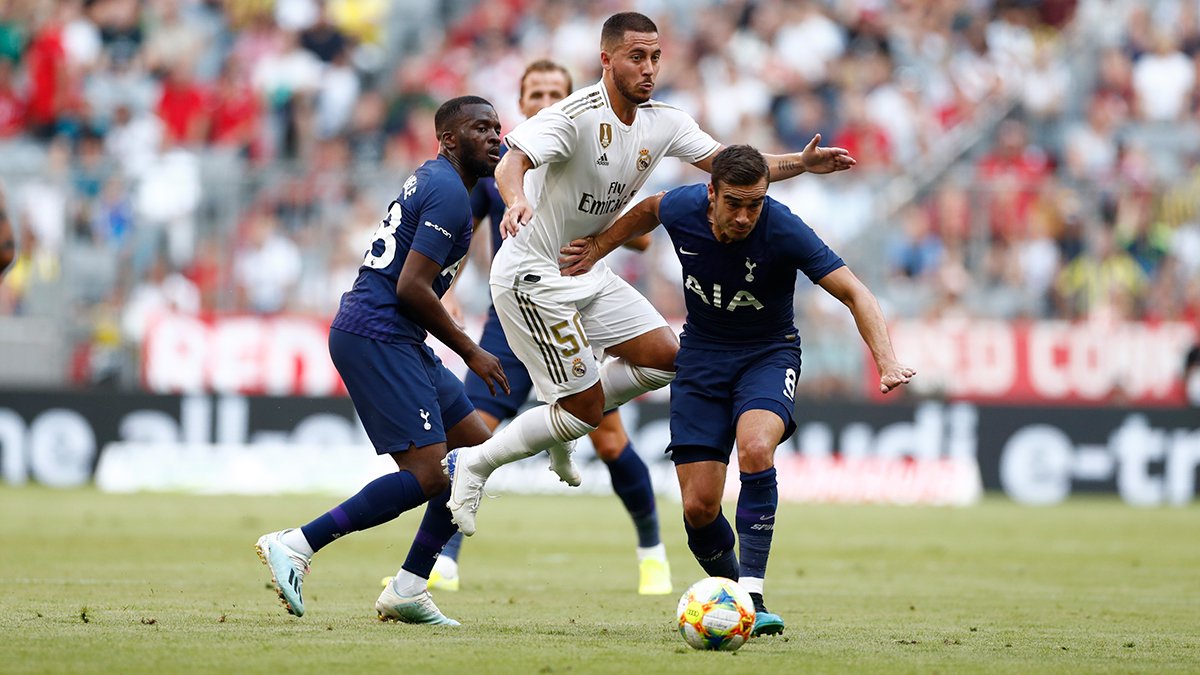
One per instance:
(234, 155)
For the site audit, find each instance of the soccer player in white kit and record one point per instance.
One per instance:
(598, 147)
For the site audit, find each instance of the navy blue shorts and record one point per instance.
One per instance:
(501, 406)
(712, 388)
(403, 394)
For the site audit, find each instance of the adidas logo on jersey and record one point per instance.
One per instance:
(603, 161)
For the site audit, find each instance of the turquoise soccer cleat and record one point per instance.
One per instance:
(288, 568)
(767, 623)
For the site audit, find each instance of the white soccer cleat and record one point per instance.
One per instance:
(417, 609)
(466, 489)
(562, 463)
(288, 568)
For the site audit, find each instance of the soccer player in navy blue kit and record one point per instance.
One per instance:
(412, 406)
(8, 246)
(544, 83)
(739, 353)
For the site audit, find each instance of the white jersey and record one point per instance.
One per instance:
(595, 165)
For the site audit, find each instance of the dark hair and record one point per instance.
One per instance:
(618, 24)
(546, 66)
(739, 165)
(449, 111)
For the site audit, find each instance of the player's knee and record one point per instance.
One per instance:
(433, 482)
(587, 406)
(700, 510)
(756, 455)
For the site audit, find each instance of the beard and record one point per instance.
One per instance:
(480, 167)
(630, 91)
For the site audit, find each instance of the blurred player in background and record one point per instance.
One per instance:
(543, 84)
(739, 354)
(411, 405)
(8, 245)
(599, 145)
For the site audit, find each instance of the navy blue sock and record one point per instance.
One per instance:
(756, 507)
(378, 502)
(713, 547)
(631, 482)
(436, 529)
(450, 550)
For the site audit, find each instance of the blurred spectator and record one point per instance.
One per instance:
(1104, 284)
(160, 291)
(1163, 81)
(12, 108)
(166, 197)
(1091, 146)
(917, 250)
(266, 267)
(235, 117)
(1012, 172)
(323, 38)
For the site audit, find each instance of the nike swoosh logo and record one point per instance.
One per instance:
(683, 252)
(766, 517)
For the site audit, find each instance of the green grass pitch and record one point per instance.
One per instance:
(170, 583)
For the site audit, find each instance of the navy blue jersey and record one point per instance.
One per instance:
(486, 201)
(742, 292)
(432, 216)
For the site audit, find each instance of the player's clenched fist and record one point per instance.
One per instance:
(488, 368)
(516, 216)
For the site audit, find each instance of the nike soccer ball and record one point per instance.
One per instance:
(716, 613)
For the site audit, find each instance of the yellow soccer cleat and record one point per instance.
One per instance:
(437, 582)
(654, 577)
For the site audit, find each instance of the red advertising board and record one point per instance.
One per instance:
(1045, 361)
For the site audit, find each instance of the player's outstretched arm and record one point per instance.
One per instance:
(510, 181)
(845, 286)
(812, 159)
(580, 255)
(414, 289)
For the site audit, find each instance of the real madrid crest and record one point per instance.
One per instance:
(578, 369)
(643, 162)
(605, 134)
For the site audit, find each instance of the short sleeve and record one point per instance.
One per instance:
(803, 247)
(481, 200)
(547, 137)
(691, 143)
(674, 203)
(440, 222)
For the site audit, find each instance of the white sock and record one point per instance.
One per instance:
(295, 540)
(446, 566)
(623, 381)
(406, 584)
(751, 584)
(656, 552)
(528, 434)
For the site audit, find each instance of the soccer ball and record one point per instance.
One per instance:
(716, 613)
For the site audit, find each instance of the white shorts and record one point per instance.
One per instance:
(558, 326)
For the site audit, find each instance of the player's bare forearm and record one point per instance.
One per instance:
(510, 181)
(580, 255)
(636, 222)
(868, 317)
(639, 244)
(813, 159)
